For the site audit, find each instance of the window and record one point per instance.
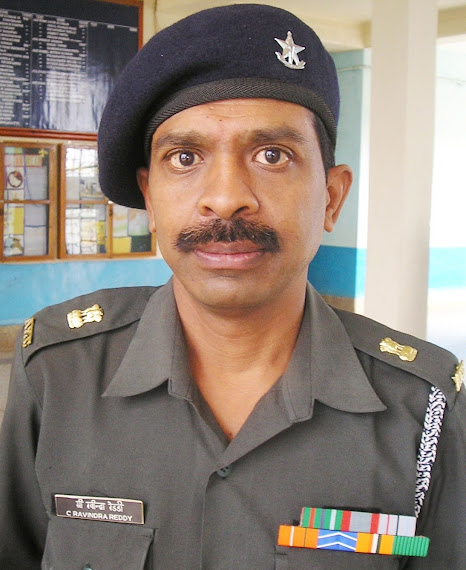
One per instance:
(91, 224)
(28, 201)
(52, 206)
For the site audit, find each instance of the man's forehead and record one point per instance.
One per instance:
(249, 114)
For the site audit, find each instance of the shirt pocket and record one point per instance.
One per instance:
(74, 544)
(288, 558)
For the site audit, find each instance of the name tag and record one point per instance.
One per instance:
(126, 511)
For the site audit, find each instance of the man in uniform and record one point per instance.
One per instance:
(229, 419)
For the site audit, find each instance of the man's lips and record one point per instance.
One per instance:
(234, 255)
(229, 248)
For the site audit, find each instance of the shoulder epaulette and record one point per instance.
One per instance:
(84, 316)
(428, 361)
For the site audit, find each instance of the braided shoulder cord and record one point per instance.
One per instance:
(428, 446)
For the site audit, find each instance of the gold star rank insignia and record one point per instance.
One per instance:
(289, 57)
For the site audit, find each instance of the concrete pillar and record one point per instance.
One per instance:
(400, 179)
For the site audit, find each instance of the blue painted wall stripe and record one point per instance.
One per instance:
(338, 271)
(27, 288)
(447, 267)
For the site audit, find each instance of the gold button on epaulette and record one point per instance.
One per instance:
(76, 319)
(28, 332)
(458, 377)
(406, 353)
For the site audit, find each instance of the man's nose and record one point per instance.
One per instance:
(227, 190)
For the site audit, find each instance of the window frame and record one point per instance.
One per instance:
(51, 202)
(108, 204)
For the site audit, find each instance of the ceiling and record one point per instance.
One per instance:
(349, 10)
(341, 24)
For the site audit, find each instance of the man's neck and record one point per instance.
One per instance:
(236, 358)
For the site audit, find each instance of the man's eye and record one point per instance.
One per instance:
(184, 159)
(274, 156)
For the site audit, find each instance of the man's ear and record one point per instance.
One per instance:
(339, 181)
(142, 176)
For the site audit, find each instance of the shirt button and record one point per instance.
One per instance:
(224, 471)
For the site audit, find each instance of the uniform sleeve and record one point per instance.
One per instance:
(23, 519)
(443, 515)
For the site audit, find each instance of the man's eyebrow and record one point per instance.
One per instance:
(181, 139)
(276, 134)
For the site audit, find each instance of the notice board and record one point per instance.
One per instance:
(59, 60)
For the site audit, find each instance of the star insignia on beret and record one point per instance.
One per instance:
(289, 57)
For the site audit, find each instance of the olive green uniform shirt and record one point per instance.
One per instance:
(110, 410)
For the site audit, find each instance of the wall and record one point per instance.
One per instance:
(28, 287)
(338, 270)
(448, 236)
(446, 322)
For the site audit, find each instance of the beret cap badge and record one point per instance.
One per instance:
(290, 57)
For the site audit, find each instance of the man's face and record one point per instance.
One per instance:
(237, 193)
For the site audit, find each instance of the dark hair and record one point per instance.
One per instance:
(327, 150)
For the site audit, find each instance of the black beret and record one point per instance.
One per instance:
(229, 52)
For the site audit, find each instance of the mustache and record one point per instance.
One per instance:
(237, 229)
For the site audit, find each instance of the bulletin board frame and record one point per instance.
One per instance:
(56, 64)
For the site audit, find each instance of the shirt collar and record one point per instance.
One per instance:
(324, 365)
(159, 336)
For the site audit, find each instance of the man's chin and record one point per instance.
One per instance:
(227, 291)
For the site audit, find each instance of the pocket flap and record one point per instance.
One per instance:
(74, 544)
